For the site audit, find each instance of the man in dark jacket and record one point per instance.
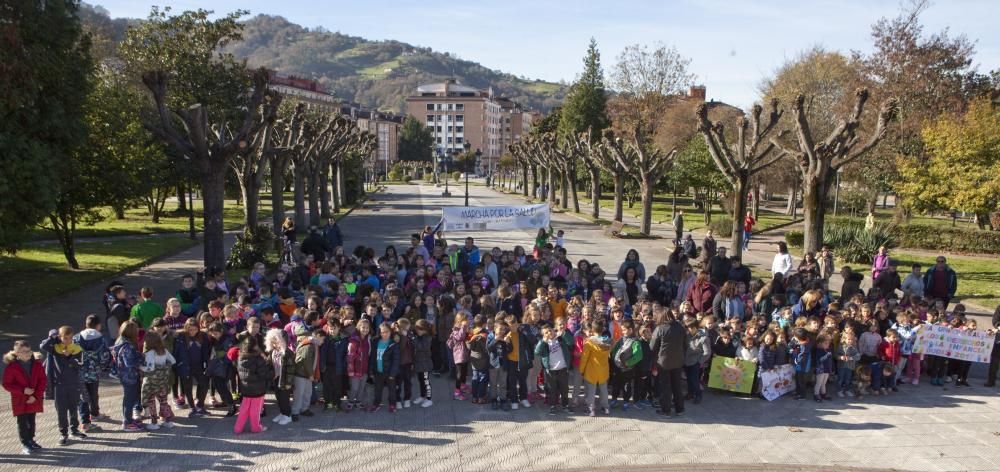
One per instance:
(940, 282)
(332, 234)
(718, 268)
(315, 245)
(888, 282)
(669, 345)
(739, 272)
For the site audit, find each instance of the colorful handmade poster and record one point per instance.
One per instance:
(963, 345)
(731, 374)
(777, 382)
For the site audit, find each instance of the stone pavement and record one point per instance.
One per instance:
(919, 428)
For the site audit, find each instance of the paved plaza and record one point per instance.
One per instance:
(920, 428)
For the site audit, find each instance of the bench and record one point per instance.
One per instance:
(614, 229)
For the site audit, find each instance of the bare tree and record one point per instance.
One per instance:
(818, 162)
(739, 162)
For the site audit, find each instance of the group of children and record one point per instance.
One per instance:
(509, 327)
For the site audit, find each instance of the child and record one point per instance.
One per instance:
(218, 367)
(384, 366)
(156, 381)
(555, 352)
(905, 326)
(459, 352)
(404, 382)
(824, 367)
(128, 362)
(423, 362)
(191, 351)
(282, 365)
(334, 364)
(498, 348)
(890, 353)
(594, 367)
(96, 357)
(801, 355)
(847, 356)
(306, 369)
(358, 354)
(579, 340)
(255, 371)
(479, 359)
(642, 386)
(188, 296)
(64, 360)
(626, 353)
(24, 378)
(519, 361)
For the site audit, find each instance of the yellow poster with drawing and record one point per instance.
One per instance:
(731, 374)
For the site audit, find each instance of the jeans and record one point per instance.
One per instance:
(935, 366)
(382, 381)
(517, 383)
(301, 394)
(404, 383)
(557, 382)
(195, 390)
(800, 384)
(600, 389)
(693, 374)
(357, 395)
(671, 386)
(90, 405)
(26, 428)
(284, 401)
(844, 377)
(462, 372)
(577, 383)
(250, 409)
(498, 384)
(480, 383)
(221, 385)
(746, 239)
(130, 401)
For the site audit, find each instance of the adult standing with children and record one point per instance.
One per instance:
(669, 344)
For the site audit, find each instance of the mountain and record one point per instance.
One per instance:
(378, 74)
(375, 73)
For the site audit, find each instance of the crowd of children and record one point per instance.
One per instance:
(354, 332)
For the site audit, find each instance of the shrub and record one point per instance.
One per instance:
(722, 227)
(853, 243)
(456, 176)
(407, 178)
(940, 238)
(250, 247)
(795, 238)
(394, 175)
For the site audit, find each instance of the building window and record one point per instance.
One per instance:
(438, 129)
(458, 140)
(430, 127)
(430, 107)
(430, 118)
(460, 118)
(439, 140)
(460, 106)
(460, 129)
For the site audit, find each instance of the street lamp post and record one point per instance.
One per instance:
(447, 160)
(465, 169)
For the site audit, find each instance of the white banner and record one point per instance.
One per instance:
(495, 218)
(934, 340)
(777, 382)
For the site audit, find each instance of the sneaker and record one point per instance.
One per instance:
(306, 413)
(591, 412)
(418, 400)
(637, 405)
(697, 399)
(77, 434)
(276, 418)
(374, 408)
(505, 406)
(89, 427)
(64, 441)
(947, 379)
(894, 389)
(406, 404)
(194, 413)
(34, 445)
(883, 391)
(232, 411)
(426, 403)
(392, 408)
(679, 413)
(100, 417)
(607, 411)
(513, 405)
(495, 404)
(525, 403)
(624, 406)
(614, 403)
(295, 417)
(348, 407)
(203, 412)
(850, 394)
(399, 405)
(284, 420)
(263, 428)
(327, 406)
(26, 450)
(552, 410)
(168, 424)
(152, 426)
(817, 398)
(840, 394)
(179, 404)
(568, 409)
(915, 382)
(133, 427)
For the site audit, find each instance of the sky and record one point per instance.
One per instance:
(733, 44)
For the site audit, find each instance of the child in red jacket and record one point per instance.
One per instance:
(25, 379)
(890, 351)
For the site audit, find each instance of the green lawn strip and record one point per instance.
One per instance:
(40, 273)
(978, 277)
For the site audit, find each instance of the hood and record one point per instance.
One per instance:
(11, 357)
(599, 342)
(90, 334)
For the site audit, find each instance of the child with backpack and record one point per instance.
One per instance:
(96, 357)
(594, 367)
(333, 363)
(423, 362)
(24, 377)
(64, 359)
(556, 354)
(128, 362)
(479, 359)
(218, 367)
(156, 381)
(626, 354)
(496, 344)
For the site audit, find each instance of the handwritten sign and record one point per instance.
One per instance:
(963, 345)
(777, 382)
(730, 374)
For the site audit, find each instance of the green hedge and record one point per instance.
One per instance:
(722, 227)
(795, 238)
(939, 238)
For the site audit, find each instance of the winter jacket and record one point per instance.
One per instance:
(255, 373)
(358, 354)
(306, 359)
(96, 355)
(661, 291)
(594, 365)
(390, 358)
(525, 354)
(701, 296)
(498, 349)
(128, 362)
(824, 361)
(724, 349)
(15, 380)
(191, 355)
(283, 368)
(456, 342)
(669, 345)
(422, 359)
(333, 355)
(189, 300)
(406, 349)
(907, 336)
(766, 358)
(890, 352)
(802, 359)
(699, 351)
(479, 355)
(851, 352)
(566, 342)
(218, 364)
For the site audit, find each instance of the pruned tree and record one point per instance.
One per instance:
(751, 153)
(540, 153)
(249, 166)
(819, 161)
(590, 155)
(646, 164)
(606, 158)
(279, 158)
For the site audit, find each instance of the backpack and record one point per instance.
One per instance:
(628, 355)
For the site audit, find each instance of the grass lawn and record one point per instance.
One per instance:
(42, 272)
(694, 218)
(137, 221)
(978, 277)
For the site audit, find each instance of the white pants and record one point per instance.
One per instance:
(301, 394)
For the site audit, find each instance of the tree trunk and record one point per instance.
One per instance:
(814, 194)
(756, 200)
(313, 187)
(213, 193)
(119, 211)
(551, 177)
(673, 202)
(277, 197)
(337, 185)
(707, 207)
(299, 175)
(324, 192)
(572, 189)
(252, 199)
(524, 189)
(534, 181)
(595, 193)
(619, 194)
(647, 205)
(564, 191)
(739, 209)
(181, 201)
(65, 231)
(790, 206)
(871, 203)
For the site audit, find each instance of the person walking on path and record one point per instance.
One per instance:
(748, 222)
(678, 223)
